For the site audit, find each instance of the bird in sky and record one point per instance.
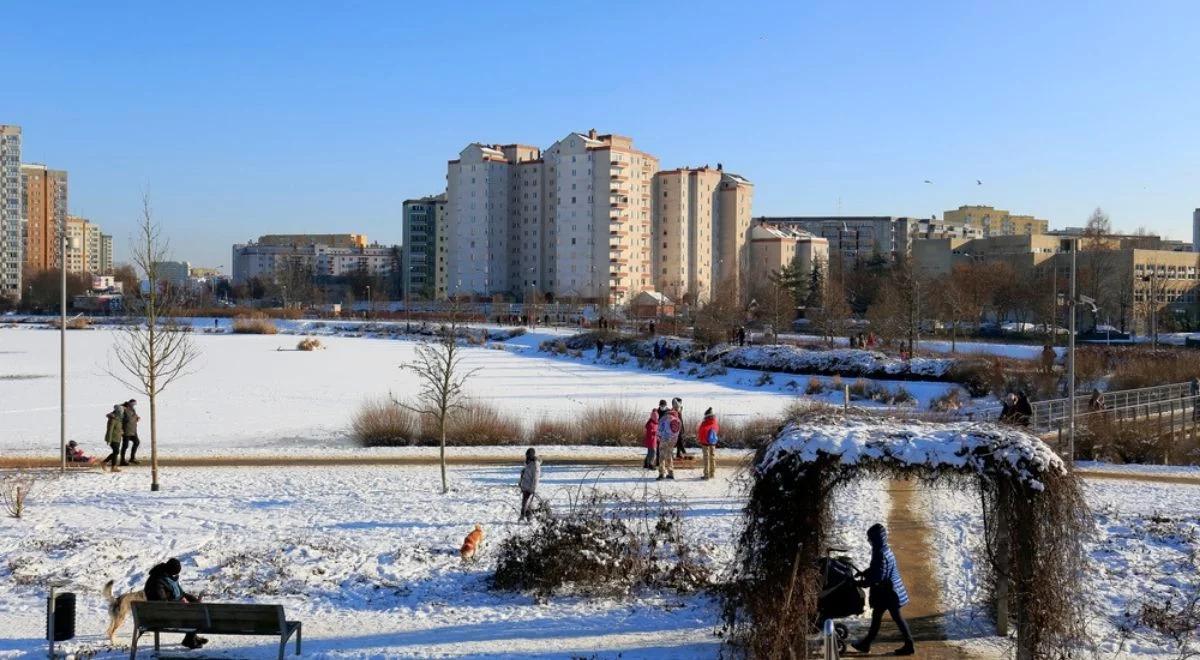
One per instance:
(928, 181)
(978, 182)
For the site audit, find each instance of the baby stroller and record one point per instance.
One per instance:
(840, 594)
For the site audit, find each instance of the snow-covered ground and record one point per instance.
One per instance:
(1144, 551)
(255, 393)
(365, 557)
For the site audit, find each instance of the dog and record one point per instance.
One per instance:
(472, 543)
(119, 607)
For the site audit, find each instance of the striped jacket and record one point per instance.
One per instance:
(883, 576)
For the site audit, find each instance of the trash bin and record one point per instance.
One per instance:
(62, 622)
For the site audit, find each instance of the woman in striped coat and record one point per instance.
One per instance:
(887, 591)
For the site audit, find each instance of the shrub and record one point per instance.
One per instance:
(480, 424)
(309, 344)
(815, 386)
(600, 546)
(254, 323)
(555, 431)
(749, 433)
(384, 423)
(948, 402)
(14, 491)
(764, 379)
(901, 397)
(861, 389)
(1150, 367)
(611, 424)
(73, 323)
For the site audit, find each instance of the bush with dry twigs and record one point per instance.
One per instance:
(254, 323)
(309, 344)
(602, 545)
(14, 492)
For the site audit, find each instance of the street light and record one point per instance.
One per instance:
(68, 243)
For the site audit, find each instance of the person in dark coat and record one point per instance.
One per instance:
(531, 474)
(1024, 410)
(163, 585)
(888, 594)
(129, 433)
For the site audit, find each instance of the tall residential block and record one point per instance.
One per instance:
(106, 254)
(584, 219)
(996, 222)
(1196, 230)
(12, 214)
(44, 194)
(327, 255)
(88, 254)
(421, 258)
(772, 248)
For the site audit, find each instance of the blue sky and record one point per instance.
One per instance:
(246, 118)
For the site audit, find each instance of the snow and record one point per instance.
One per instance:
(962, 446)
(254, 393)
(366, 557)
(845, 361)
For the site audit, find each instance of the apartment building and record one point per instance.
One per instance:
(701, 220)
(341, 256)
(573, 220)
(856, 237)
(106, 254)
(175, 273)
(12, 214)
(771, 248)
(424, 264)
(44, 194)
(996, 222)
(88, 255)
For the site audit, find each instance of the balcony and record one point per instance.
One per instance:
(622, 203)
(618, 165)
(619, 177)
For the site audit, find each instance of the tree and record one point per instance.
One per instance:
(154, 351)
(793, 279)
(442, 377)
(127, 277)
(43, 288)
(1097, 231)
(958, 299)
(719, 318)
(833, 312)
(773, 304)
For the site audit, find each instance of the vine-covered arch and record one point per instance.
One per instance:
(1034, 512)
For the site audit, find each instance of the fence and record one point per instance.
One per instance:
(1049, 414)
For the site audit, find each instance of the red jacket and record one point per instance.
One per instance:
(650, 440)
(709, 424)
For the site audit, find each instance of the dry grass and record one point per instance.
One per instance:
(611, 424)
(309, 344)
(74, 323)
(254, 323)
(750, 433)
(482, 424)
(383, 423)
(14, 492)
(555, 431)
(1148, 367)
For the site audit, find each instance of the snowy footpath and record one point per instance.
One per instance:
(365, 557)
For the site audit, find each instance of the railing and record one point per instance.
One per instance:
(1048, 414)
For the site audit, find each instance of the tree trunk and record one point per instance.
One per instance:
(153, 441)
(442, 431)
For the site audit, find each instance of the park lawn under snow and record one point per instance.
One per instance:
(366, 557)
(1144, 550)
(256, 394)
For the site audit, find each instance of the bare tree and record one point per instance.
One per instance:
(441, 375)
(154, 350)
(720, 317)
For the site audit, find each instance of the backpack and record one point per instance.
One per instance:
(711, 440)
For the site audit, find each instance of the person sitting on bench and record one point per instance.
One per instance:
(163, 584)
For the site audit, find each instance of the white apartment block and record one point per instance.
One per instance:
(106, 254)
(575, 220)
(12, 243)
(327, 256)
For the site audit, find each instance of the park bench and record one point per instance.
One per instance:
(211, 619)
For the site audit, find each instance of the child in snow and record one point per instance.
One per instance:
(76, 455)
(707, 436)
(668, 432)
(887, 591)
(530, 475)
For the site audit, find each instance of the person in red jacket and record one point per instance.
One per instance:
(650, 440)
(707, 435)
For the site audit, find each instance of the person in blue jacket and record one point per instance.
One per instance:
(888, 594)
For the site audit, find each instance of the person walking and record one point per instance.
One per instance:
(163, 585)
(650, 441)
(129, 422)
(681, 441)
(112, 436)
(707, 435)
(599, 348)
(530, 475)
(888, 594)
(668, 433)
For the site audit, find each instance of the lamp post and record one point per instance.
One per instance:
(1071, 360)
(368, 301)
(66, 244)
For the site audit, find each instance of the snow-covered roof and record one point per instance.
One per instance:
(966, 446)
(653, 297)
